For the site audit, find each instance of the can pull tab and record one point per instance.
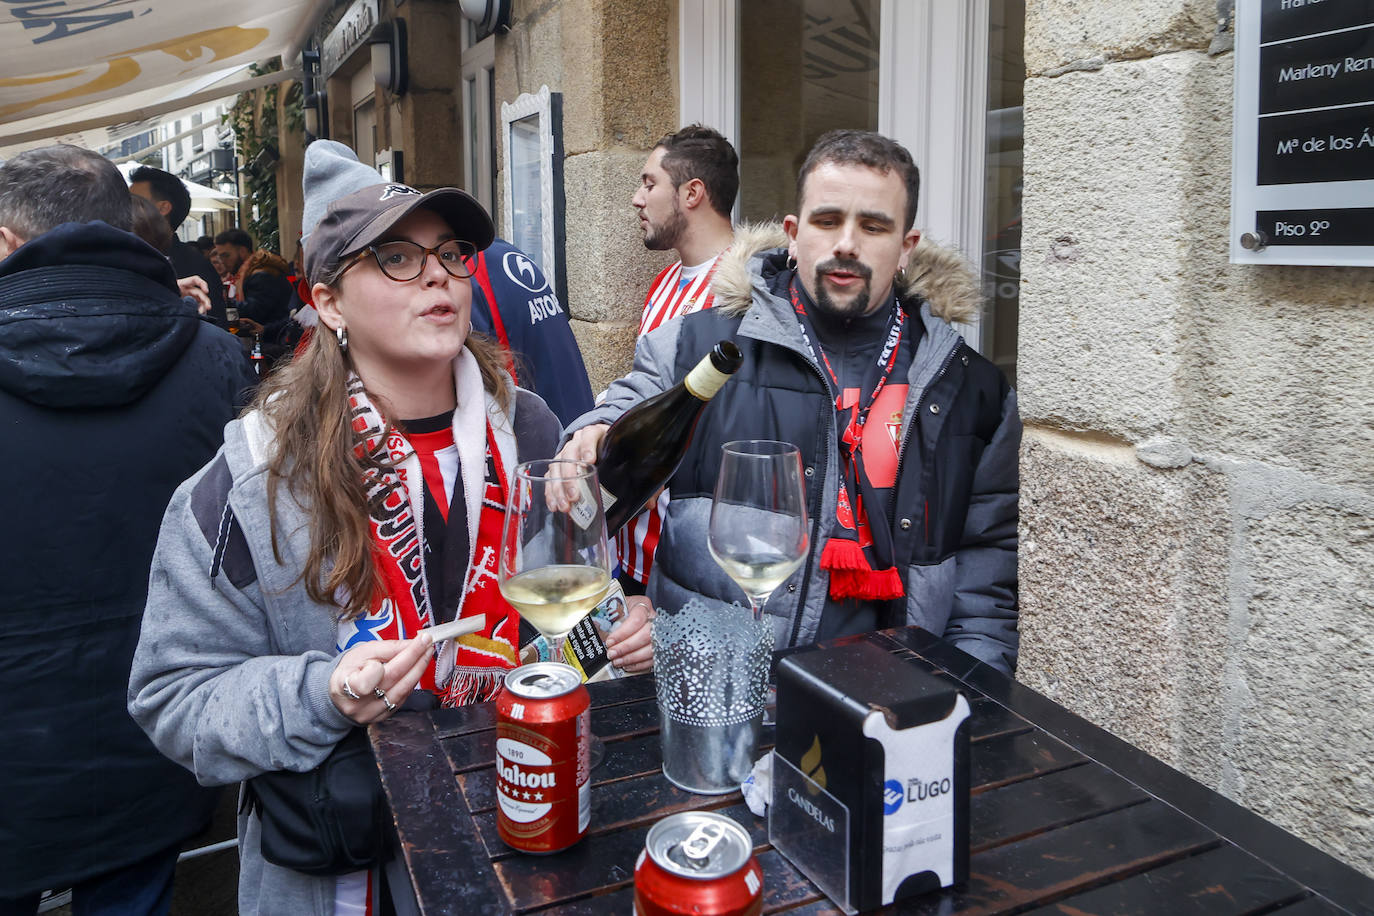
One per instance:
(699, 844)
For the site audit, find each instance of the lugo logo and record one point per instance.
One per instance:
(918, 790)
(892, 796)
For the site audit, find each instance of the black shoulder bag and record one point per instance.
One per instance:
(331, 820)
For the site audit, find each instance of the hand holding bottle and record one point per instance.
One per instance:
(637, 455)
(585, 443)
(563, 498)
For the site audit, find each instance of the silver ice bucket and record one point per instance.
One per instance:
(711, 663)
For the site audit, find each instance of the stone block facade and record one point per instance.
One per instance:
(1198, 469)
(617, 101)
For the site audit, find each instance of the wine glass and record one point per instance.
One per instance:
(758, 517)
(554, 566)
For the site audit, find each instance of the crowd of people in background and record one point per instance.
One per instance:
(265, 299)
(223, 450)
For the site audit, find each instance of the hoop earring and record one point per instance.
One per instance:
(791, 262)
(342, 334)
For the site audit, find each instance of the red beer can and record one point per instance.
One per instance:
(543, 735)
(701, 863)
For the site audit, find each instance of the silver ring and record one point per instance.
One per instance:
(381, 695)
(348, 690)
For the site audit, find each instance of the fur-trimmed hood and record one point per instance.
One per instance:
(939, 275)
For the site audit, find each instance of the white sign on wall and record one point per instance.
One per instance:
(348, 35)
(1302, 166)
(532, 204)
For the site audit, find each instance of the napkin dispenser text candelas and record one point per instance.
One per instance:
(870, 775)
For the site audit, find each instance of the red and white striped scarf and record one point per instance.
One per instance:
(467, 670)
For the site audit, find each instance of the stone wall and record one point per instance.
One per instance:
(290, 196)
(609, 59)
(1198, 468)
(425, 122)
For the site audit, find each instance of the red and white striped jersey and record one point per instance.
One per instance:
(669, 297)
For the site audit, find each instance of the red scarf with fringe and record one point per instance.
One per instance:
(858, 554)
(472, 668)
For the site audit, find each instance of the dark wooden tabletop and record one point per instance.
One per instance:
(1066, 819)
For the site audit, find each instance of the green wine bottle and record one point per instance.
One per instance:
(643, 448)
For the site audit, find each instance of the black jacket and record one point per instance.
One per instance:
(189, 261)
(269, 299)
(112, 392)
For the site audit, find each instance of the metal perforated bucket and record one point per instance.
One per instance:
(711, 663)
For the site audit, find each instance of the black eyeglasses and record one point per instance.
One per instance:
(403, 261)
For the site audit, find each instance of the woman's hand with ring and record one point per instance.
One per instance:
(630, 645)
(373, 679)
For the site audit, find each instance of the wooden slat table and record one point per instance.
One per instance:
(1066, 819)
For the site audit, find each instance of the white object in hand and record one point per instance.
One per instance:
(455, 628)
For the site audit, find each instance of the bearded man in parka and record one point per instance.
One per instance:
(908, 437)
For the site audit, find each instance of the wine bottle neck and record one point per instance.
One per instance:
(704, 380)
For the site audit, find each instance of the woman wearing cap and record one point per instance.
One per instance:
(357, 502)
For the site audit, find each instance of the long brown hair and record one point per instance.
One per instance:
(306, 403)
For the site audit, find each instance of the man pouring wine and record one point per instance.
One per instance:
(907, 436)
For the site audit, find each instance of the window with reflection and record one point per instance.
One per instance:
(805, 67)
(1002, 183)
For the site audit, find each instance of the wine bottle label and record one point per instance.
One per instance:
(607, 498)
(583, 510)
(705, 380)
(585, 648)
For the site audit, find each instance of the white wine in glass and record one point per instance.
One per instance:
(555, 565)
(554, 598)
(758, 531)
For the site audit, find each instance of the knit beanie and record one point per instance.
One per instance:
(349, 206)
(332, 171)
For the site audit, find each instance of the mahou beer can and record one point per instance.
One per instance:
(543, 734)
(700, 863)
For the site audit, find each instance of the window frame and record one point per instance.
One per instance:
(942, 43)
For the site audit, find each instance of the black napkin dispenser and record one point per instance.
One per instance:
(870, 787)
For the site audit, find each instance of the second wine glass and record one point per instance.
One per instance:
(758, 531)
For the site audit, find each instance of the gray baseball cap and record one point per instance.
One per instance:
(357, 220)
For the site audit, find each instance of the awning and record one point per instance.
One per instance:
(67, 62)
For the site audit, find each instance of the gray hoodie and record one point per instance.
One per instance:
(231, 675)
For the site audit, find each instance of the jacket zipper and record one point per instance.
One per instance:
(815, 521)
(915, 415)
